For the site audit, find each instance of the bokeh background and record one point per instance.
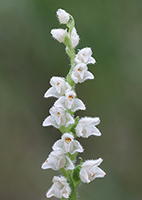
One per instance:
(29, 57)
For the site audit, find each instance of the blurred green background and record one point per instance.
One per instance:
(29, 57)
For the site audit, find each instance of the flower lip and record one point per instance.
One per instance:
(70, 97)
(68, 140)
(58, 113)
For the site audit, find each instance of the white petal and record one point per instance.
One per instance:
(69, 103)
(60, 102)
(57, 145)
(97, 162)
(45, 165)
(70, 120)
(74, 38)
(68, 146)
(50, 193)
(91, 60)
(69, 164)
(67, 191)
(84, 176)
(95, 131)
(91, 163)
(99, 173)
(78, 105)
(74, 78)
(90, 120)
(87, 75)
(77, 147)
(61, 162)
(50, 121)
(51, 92)
(79, 130)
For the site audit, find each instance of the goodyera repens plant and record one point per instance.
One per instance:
(61, 117)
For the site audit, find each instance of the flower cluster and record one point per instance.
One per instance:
(61, 117)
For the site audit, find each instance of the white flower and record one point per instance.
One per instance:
(58, 34)
(90, 170)
(58, 118)
(84, 56)
(60, 188)
(57, 160)
(86, 127)
(74, 38)
(68, 144)
(59, 86)
(80, 73)
(63, 16)
(69, 101)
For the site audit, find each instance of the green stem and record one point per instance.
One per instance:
(71, 53)
(73, 195)
(64, 172)
(67, 174)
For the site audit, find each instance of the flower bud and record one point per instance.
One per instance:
(74, 38)
(63, 16)
(58, 34)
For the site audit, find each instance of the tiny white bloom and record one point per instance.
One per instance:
(69, 101)
(74, 38)
(90, 170)
(63, 16)
(59, 86)
(86, 127)
(80, 73)
(60, 188)
(58, 34)
(68, 144)
(57, 160)
(84, 56)
(58, 118)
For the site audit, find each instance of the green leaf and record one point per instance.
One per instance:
(75, 175)
(72, 157)
(74, 126)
